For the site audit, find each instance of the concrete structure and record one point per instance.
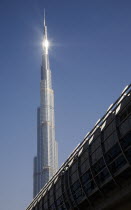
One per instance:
(97, 175)
(46, 161)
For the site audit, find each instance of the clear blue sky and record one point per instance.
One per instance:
(90, 60)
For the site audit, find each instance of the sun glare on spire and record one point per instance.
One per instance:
(45, 45)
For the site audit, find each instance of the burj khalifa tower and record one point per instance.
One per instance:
(46, 160)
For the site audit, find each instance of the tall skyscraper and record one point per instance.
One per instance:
(46, 161)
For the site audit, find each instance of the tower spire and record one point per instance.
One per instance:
(45, 27)
(45, 40)
(44, 17)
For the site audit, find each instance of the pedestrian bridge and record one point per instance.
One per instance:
(97, 175)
